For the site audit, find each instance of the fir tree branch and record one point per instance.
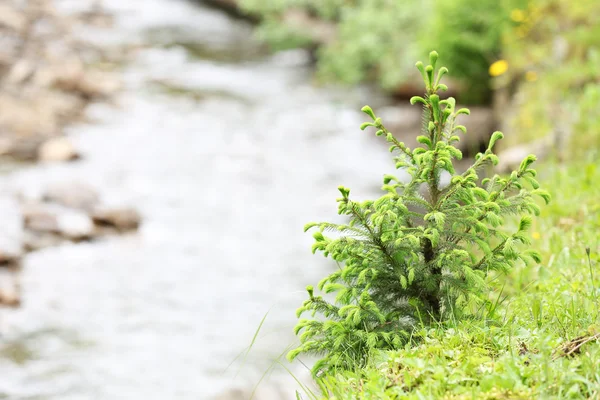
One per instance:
(376, 238)
(451, 189)
(399, 145)
(497, 194)
(493, 253)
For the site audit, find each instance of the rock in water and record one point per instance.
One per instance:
(11, 231)
(54, 219)
(57, 149)
(122, 219)
(73, 195)
(75, 225)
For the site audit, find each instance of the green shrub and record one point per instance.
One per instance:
(518, 352)
(377, 40)
(407, 259)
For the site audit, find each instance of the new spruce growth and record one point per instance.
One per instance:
(422, 252)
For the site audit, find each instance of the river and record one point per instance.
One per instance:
(227, 151)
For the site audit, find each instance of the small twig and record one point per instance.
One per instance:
(578, 343)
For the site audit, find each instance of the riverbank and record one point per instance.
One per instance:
(49, 75)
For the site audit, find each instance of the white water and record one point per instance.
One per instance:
(225, 180)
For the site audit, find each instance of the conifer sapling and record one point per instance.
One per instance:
(421, 252)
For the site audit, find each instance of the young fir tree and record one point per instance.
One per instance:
(407, 258)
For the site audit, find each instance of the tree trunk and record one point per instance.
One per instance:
(432, 299)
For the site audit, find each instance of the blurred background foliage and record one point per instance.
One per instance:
(507, 53)
(553, 54)
(378, 40)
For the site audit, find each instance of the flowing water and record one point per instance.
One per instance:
(227, 152)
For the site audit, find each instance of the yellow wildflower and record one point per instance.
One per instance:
(517, 15)
(498, 68)
(536, 235)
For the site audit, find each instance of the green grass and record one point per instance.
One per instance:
(517, 348)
